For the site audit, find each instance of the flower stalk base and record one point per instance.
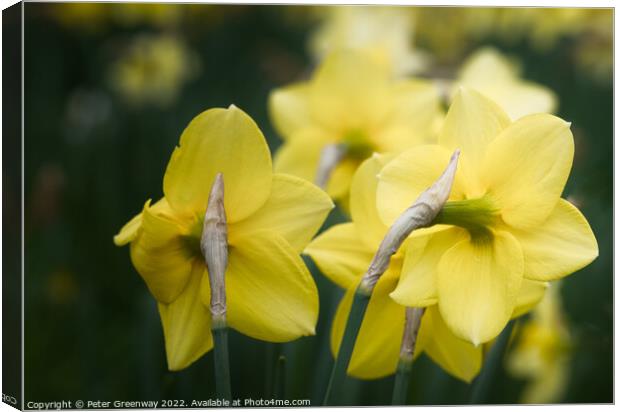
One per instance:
(222, 367)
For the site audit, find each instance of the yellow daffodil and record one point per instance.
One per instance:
(493, 75)
(383, 33)
(271, 217)
(343, 254)
(505, 223)
(153, 69)
(542, 352)
(351, 101)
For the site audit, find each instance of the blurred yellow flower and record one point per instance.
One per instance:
(155, 14)
(493, 75)
(351, 101)
(542, 352)
(448, 32)
(87, 16)
(343, 254)
(270, 218)
(153, 69)
(545, 26)
(386, 34)
(504, 223)
(595, 50)
(94, 16)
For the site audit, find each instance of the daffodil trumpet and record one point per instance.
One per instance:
(413, 320)
(214, 247)
(482, 384)
(420, 214)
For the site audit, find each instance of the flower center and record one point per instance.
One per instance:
(192, 239)
(357, 144)
(477, 216)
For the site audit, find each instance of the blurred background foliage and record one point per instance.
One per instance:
(108, 90)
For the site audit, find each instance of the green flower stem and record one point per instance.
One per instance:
(354, 322)
(279, 385)
(401, 381)
(483, 383)
(222, 368)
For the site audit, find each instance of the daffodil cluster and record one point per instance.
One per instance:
(380, 139)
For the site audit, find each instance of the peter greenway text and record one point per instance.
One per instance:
(164, 403)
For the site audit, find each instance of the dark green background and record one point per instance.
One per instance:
(92, 329)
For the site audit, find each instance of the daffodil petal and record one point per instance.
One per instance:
(271, 295)
(340, 254)
(349, 91)
(456, 356)
(472, 122)
(130, 231)
(363, 204)
(410, 122)
(526, 168)
(524, 98)
(300, 157)
(226, 141)
(295, 209)
(416, 286)
(161, 255)
(377, 347)
(289, 110)
(478, 281)
(530, 295)
(187, 324)
(561, 245)
(486, 65)
(404, 178)
(491, 74)
(339, 183)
